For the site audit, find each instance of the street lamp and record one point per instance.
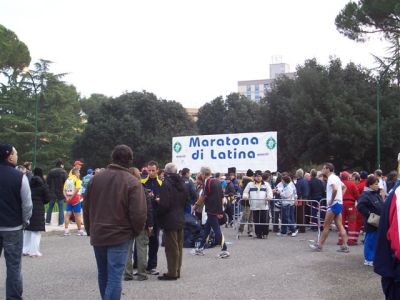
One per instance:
(26, 71)
(378, 130)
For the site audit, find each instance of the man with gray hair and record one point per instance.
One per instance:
(212, 198)
(303, 191)
(173, 200)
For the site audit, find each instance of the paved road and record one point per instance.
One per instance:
(276, 268)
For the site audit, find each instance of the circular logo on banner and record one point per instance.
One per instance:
(177, 147)
(271, 143)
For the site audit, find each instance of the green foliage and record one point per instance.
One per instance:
(59, 120)
(14, 54)
(235, 114)
(137, 119)
(90, 104)
(328, 113)
(358, 20)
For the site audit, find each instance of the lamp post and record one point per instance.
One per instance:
(26, 71)
(378, 129)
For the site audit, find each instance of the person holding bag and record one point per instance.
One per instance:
(370, 202)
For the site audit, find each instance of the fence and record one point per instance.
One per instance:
(302, 214)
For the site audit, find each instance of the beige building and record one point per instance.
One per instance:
(257, 89)
(192, 112)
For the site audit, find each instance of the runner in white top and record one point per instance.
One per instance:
(334, 197)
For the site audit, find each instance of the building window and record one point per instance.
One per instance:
(248, 92)
(267, 86)
(257, 93)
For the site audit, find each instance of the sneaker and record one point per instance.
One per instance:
(67, 233)
(343, 249)
(281, 234)
(135, 272)
(295, 233)
(368, 263)
(59, 225)
(47, 223)
(197, 252)
(315, 247)
(81, 233)
(223, 254)
(152, 272)
(142, 277)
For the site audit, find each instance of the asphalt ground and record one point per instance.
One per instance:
(275, 268)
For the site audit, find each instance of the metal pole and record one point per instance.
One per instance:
(378, 130)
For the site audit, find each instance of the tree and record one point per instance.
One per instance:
(137, 119)
(58, 116)
(358, 20)
(236, 114)
(328, 113)
(90, 104)
(14, 54)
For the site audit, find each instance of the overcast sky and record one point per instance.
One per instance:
(189, 51)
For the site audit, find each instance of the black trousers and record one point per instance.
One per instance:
(261, 217)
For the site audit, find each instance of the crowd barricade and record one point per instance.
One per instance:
(307, 213)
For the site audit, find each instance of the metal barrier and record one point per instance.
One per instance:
(276, 214)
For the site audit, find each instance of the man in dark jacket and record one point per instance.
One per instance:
(153, 183)
(303, 191)
(174, 198)
(56, 179)
(317, 191)
(115, 212)
(190, 187)
(15, 212)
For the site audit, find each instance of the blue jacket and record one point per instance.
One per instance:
(302, 189)
(191, 189)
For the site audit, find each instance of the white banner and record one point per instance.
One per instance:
(256, 151)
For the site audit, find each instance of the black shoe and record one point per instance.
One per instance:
(126, 278)
(166, 277)
(259, 237)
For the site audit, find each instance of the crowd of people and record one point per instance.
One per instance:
(124, 211)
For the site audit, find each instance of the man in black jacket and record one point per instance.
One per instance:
(171, 217)
(15, 212)
(55, 179)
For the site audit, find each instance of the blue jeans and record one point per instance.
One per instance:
(60, 211)
(110, 265)
(12, 242)
(287, 218)
(369, 245)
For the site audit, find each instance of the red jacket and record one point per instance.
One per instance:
(352, 192)
(361, 185)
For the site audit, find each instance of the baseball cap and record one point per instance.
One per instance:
(77, 162)
(89, 171)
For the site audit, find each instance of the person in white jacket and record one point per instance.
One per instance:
(259, 193)
(286, 190)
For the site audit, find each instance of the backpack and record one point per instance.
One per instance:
(69, 186)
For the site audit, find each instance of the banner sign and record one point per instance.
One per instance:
(256, 151)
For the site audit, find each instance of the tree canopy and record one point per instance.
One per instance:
(358, 20)
(328, 113)
(137, 119)
(235, 114)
